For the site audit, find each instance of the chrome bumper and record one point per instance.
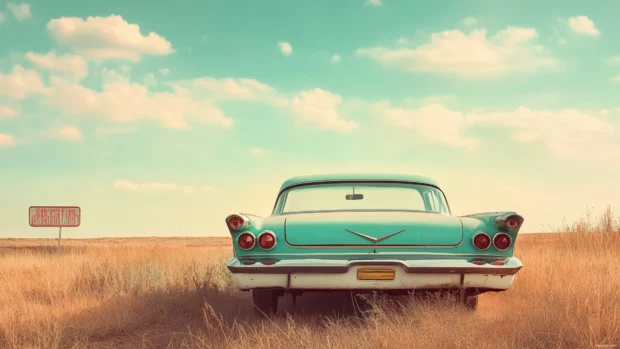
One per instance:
(342, 274)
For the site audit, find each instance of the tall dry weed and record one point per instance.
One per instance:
(148, 295)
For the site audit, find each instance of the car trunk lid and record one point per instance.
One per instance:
(373, 229)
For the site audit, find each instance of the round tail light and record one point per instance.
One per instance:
(235, 222)
(482, 241)
(502, 241)
(512, 223)
(267, 240)
(246, 241)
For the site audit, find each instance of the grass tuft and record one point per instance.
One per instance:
(127, 293)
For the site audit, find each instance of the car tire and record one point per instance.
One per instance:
(265, 301)
(471, 302)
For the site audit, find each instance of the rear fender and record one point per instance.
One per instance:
(493, 223)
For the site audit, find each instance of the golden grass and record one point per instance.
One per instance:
(175, 293)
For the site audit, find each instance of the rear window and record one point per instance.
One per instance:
(362, 197)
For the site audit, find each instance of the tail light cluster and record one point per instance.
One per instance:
(483, 241)
(235, 222)
(266, 240)
(509, 221)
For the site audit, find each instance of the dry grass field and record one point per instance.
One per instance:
(175, 293)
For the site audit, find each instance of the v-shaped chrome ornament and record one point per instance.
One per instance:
(373, 239)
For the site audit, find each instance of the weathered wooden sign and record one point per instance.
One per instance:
(55, 216)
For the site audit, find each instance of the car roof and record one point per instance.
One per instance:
(338, 177)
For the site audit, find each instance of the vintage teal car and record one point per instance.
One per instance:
(364, 232)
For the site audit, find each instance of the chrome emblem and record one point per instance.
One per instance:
(375, 240)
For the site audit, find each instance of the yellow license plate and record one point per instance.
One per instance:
(375, 274)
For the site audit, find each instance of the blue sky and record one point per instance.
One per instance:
(162, 118)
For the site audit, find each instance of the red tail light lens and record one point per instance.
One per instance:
(235, 222)
(512, 223)
(246, 241)
(267, 240)
(502, 241)
(482, 241)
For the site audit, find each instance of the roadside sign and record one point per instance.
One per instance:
(54, 216)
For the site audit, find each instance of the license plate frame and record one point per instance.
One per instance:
(376, 274)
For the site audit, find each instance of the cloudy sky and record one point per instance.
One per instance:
(161, 119)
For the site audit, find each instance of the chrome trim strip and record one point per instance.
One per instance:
(381, 254)
(275, 269)
(373, 239)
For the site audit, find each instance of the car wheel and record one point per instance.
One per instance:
(265, 301)
(471, 303)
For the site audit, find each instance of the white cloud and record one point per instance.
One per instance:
(583, 25)
(335, 58)
(6, 112)
(149, 79)
(374, 2)
(566, 133)
(6, 140)
(2, 17)
(604, 112)
(569, 132)
(402, 41)
(72, 64)
(20, 11)
(20, 83)
(164, 71)
(469, 56)
(285, 48)
(615, 78)
(110, 37)
(105, 130)
(257, 151)
(125, 68)
(562, 42)
(434, 122)
(123, 101)
(65, 133)
(615, 60)
(320, 108)
(469, 21)
(232, 89)
(159, 187)
(98, 189)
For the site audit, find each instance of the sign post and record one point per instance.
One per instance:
(55, 216)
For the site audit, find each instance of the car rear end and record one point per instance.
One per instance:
(390, 248)
(269, 253)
